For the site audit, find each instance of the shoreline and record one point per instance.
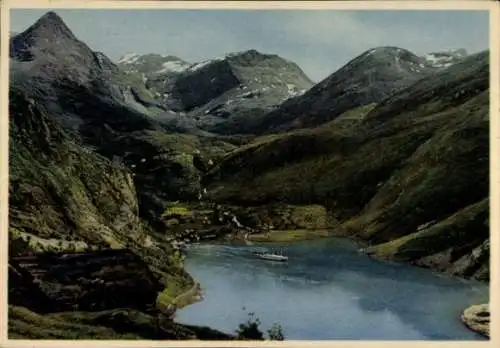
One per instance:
(184, 299)
(188, 297)
(288, 236)
(472, 316)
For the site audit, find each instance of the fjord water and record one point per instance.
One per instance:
(328, 290)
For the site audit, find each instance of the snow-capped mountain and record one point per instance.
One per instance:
(151, 64)
(445, 59)
(220, 92)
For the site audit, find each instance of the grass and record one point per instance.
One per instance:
(25, 324)
(309, 216)
(466, 226)
(176, 209)
(177, 292)
(186, 143)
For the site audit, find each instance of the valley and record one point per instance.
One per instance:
(111, 165)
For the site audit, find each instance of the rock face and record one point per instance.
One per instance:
(158, 72)
(387, 175)
(369, 78)
(477, 318)
(92, 281)
(60, 190)
(108, 294)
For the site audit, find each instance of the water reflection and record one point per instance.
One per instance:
(328, 291)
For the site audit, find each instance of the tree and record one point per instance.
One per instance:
(250, 330)
(276, 333)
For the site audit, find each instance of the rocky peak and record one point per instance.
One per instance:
(51, 24)
(388, 59)
(49, 39)
(48, 54)
(48, 32)
(252, 57)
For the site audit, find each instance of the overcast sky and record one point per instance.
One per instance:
(320, 42)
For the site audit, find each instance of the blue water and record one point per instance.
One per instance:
(328, 291)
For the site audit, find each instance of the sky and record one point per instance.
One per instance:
(320, 42)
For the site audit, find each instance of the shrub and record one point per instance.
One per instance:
(276, 333)
(250, 330)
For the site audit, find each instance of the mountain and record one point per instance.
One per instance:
(49, 52)
(369, 78)
(69, 106)
(410, 178)
(157, 71)
(220, 95)
(64, 198)
(152, 64)
(108, 109)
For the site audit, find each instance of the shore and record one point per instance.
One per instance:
(477, 318)
(280, 236)
(188, 297)
(182, 300)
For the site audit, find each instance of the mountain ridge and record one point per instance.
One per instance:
(368, 78)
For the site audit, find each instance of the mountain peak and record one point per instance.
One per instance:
(51, 16)
(48, 34)
(250, 56)
(389, 51)
(50, 25)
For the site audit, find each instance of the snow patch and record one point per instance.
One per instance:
(129, 58)
(442, 59)
(292, 89)
(173, 66)
(201, 65)
(370, 52)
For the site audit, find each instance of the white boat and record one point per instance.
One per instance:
(272, 257)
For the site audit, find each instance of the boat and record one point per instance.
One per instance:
(273, 257)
